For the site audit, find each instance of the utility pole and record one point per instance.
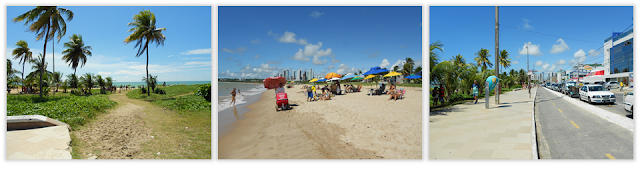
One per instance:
(497, 61)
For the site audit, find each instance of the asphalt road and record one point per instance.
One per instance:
(617, 107)
(566, 131)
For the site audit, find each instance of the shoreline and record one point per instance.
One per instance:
(228, 117)
(349, 126)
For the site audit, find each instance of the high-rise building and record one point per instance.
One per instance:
(310, 73)
(618, 57)
(299, 78)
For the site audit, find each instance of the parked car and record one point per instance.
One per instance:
(599, 83)
(558, 87)
(596, 94)
(569, 89)
(628, 102)
(611, 85)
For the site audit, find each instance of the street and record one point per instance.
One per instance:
(566, 131)
(618, 107)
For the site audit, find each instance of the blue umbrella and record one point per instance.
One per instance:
(322, 80)
(348, 77)
(414, 76)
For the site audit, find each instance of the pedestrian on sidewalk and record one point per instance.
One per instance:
(621, 86)
(475, 91)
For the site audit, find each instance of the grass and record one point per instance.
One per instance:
(73, 110)
(171, 91)
(186, 135)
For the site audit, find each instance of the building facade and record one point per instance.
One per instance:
(618, 57)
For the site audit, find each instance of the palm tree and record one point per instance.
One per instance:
(73, 80)
(151, 82)
(57, 78)
(433, 58)
(47, 21)
(458, 60)
(88, 81)
(101, 83)
(39, 66)
(23, 53)
(109, 81)
(483, 58)
(65, 85)
(504, 59)
(395, 68)
(76, 52)
(11, 74)
(144, 31)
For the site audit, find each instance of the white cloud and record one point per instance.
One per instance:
(199, 63)
(561, 62)
(226, 50)
(384, 64)
(552, 68)
(198, 51)
(526, 24)
(256, 41)
(579, 56)
(170, 56)
(333, 59)
(300, 56)
(559, 47)
(538, 63)
(316, 14)
(533, 49)
(330, 67)
(545, 66)
(399, 63)
(256, 57)
(515, 62)
(593, 53)
(271, 33)
(344, 69)
(303, 41)
(290, 37)
(318, 61)
(311, 49)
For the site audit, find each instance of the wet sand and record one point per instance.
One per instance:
(351, 126)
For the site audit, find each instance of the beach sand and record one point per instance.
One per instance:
(350, 126)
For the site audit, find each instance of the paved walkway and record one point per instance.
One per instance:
(40, 143)
(469, 131)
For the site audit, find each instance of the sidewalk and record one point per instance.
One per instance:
(469, 131)
(40, 143)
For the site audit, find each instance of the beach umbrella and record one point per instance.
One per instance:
(414, 77)
(369, 76)
(273, 82)
(332, 75)
(356, 78)
(321, 80)
(313, 80)
(335, 78)
(393, 73)
(348, 77)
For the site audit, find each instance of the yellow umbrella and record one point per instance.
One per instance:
(332, 75)
(370, 76)
(313, 80)
(393, 73)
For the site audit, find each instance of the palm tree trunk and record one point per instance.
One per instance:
(46, 38)
(148, 91)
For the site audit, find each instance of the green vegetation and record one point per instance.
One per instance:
(144, 31)
(73, 110)
(204, 91)
(171, 92)
(185, 103)
(457, 76)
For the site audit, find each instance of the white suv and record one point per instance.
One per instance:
(596, 94)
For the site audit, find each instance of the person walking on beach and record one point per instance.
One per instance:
(233, 97)
(475, 91)
(310, 90)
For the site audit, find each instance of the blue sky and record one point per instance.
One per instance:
(464, 30)
(255, 42)
(185, 56)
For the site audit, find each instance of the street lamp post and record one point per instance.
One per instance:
(528, 76)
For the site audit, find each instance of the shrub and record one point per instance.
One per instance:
(516, 86)
(204, 91)
(73, 110)
(159, 91)
(143, 90)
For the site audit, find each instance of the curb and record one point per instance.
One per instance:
(607, 115)
(534, 140)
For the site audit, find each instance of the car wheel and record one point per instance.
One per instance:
(589, 100)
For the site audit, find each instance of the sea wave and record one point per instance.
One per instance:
(224, 102)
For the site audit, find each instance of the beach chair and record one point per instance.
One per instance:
(359, 88)
(401, 93)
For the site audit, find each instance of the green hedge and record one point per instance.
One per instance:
(73, 110)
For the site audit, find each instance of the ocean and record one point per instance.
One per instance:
(160, 83)
(246, 90)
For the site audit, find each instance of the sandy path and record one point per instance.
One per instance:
(118, 134)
